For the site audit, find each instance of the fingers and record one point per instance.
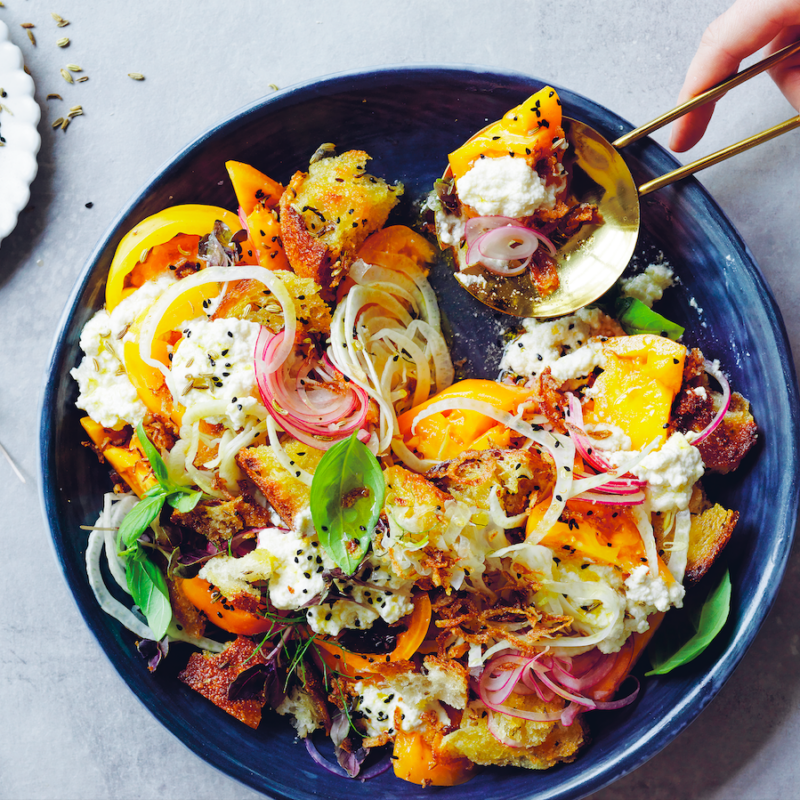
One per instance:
(747, 26)
(787, 74)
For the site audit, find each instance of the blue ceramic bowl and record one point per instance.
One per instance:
(408, 119)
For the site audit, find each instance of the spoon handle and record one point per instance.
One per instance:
(720, 155)
(711, 94)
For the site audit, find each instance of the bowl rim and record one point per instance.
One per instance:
(616, 764)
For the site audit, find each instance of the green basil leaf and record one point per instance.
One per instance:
(635, 317)
(184, 501)
(154, 457)
(149, 591)
(138, 519)
(346, 500)
(712, 617)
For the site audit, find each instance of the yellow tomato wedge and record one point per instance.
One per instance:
(448, 434)
(129, 462)
(527, 131)
(390, 247)
(340, 660)
(253, 188)
(419, 761)
(155, 230)
(201, 595)
(641, 377)
(265, 235)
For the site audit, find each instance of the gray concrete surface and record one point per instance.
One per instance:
(69, 728)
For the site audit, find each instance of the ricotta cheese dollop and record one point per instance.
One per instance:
(106, 393)
(554, 344)
(214, 361)
(505, 187)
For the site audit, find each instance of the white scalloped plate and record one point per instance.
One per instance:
(18, 120)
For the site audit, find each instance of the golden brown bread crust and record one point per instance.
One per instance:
(724, 449)
(220, 520)
(519, 474)
(544, 744)
(186, 615)
(212, 675)
(710, 532)
(284, 492)
(247, 300)
(328, 212)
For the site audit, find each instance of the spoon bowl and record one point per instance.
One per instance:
(589, 262)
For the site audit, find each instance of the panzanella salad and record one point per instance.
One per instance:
(504, 201)
(450, 573)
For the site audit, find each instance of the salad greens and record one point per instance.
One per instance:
(146, 582)
(346, 499)
(635, 317)
(707, 621)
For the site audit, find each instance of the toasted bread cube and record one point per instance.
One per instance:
(473, 475)
(328, 212)
(289, 496)
(709, 533)
(248, 300)
(542, 744)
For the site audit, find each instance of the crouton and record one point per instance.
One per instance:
(186, 614)
(409, 495)
(694, 408)
(249, 301)
(220, 520)
(724, 449)
(213, 675)
(517, 474)
(710, 531)
(234, 577)
(398, 695)
(329, 211)
(541, 744)
(289, 496)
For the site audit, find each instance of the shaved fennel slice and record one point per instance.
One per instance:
(586, 591)
(413, 462)
(423, 376)
(109, 604)
(499, 515)
(679, 549)
(439, 352)
(176, 635)
(560, 448)
(216, 275)
(642, 516)
(293, 468)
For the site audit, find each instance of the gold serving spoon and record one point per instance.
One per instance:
(591, 261)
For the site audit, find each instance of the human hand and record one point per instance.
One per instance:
(747, 26)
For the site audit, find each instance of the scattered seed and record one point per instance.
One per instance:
(137, 76)
(27, 25)
(274, 87)
(65, 123)
(83, 79)
(54, 96)
(57, 123)
(60, 21)
(66, 76)
(6, 109)
(3, 92)
(25, 68)
(63, 41)
(74, 68)
(31, 36)
(75, 111)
